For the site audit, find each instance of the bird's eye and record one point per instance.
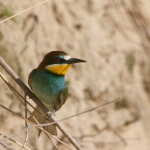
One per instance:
(58, 59)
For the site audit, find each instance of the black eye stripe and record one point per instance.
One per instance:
(58, 60)
(55, 61)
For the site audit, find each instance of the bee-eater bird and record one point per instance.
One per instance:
(47, 82)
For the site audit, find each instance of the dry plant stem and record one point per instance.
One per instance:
(53, 142)
(16, 142)
(23, 86)
(26, 125)
(6, 146)
(41, 125)
(14, 90)
(37, 125)
(26, 109)
(38, 102)
(30, 127)
(23, 11)
(11, 87)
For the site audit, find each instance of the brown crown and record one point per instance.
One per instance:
(49, 56)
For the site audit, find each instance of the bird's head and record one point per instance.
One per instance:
(58, 62)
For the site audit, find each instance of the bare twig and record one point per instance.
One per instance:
(29, 128)
(24, 11)
(6, 146)
(37, 125)
(26, 125)
(15, 142)
(53, 143)
(37, 101)
(16, 92)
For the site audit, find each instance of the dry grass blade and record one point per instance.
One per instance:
(23, 11)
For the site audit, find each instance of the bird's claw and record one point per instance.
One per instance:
(50, 114)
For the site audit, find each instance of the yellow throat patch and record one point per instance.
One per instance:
(58, 69)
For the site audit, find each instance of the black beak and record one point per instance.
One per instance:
(74, 60)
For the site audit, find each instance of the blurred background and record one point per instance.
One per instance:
(113, 36)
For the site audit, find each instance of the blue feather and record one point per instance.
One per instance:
(47, 87)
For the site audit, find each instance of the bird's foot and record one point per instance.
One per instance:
(50, 114)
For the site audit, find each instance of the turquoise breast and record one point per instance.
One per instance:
(47, 86)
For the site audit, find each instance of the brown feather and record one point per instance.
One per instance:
(49, 56)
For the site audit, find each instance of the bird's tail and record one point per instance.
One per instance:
(51, 128)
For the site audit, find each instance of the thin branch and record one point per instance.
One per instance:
(29, 128)
(26, 124)
(37, 125)
(53, 143)
(15, 142)
(15, 91)
(23, 11)
(37, 101)
(87, 111)
(6, 146)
